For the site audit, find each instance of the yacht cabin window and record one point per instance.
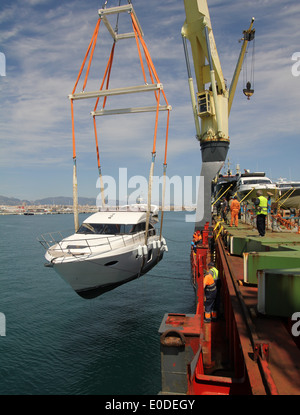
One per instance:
(113, 229)
(256, 181)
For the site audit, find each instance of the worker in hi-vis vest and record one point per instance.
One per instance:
(215, 274)
(210, 293)
(261, 210)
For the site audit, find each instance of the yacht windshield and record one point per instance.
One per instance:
(111, 229)
(257, 181)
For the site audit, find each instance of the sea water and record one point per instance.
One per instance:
(55, 342)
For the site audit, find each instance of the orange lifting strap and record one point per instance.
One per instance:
(157, 87)
(92, 42)
(106, 73)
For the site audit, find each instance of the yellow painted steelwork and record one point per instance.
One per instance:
(210, 81)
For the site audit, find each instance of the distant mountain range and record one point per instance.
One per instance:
(58, 200)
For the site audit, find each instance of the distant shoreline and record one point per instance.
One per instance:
(44, 209)
(64, 209)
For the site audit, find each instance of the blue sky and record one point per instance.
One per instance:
(44, 42)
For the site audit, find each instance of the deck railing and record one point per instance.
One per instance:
(55, 242)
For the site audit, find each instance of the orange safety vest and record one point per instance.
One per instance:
(197, 237)
(208, 280)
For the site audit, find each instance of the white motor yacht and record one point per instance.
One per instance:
(288, 193)
(107, 250)
(249, 183)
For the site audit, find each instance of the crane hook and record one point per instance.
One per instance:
(248, 91)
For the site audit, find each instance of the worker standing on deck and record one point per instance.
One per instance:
(213, 271)
(210, 292)
(224, 209)
(269, 203)
(235, 208)
(215, 274)
(261, 208)
(197, 237)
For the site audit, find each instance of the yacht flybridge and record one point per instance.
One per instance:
(110, 248)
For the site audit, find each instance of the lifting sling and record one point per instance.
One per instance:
(155, 86)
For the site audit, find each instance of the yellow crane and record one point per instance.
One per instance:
(213, 101)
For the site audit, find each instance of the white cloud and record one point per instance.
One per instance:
(45, 42)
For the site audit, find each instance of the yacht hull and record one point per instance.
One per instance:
(109, 249)
(97, 274)
(289, 198)
(292, 203)
(250, 193)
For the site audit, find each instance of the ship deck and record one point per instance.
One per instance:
(280, 251)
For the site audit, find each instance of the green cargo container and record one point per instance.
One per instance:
(257, 261)
(278, 292)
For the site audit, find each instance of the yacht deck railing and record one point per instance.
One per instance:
(57, 245)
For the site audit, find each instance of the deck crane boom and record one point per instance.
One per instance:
(214, 100)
